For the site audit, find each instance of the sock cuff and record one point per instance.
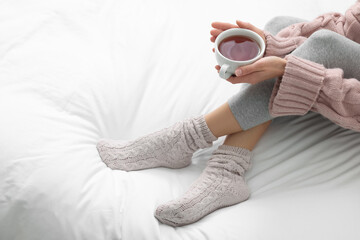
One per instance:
(236, 150)
(205, 131)
(233, 159)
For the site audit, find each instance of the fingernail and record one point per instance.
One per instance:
(238, 72)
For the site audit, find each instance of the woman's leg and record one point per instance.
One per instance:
(247, 139)
(170, 147)
(174, 146)
(222, 182)
(276, 24)
(221, 121)
(333, 51)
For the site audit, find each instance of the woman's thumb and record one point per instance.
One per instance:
(245, 70)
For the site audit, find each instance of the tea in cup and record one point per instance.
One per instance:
(237, 47)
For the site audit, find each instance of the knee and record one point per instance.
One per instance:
(321, 46)
(319, 42)
(275, 24)
(324, 37)
(276, 20)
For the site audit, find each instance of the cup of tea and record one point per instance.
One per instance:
(237, 47)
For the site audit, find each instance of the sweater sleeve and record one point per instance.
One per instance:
(291, 37)
(308, 86)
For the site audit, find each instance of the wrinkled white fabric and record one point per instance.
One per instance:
(73, 72)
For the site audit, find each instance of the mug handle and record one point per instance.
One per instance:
(223, 71)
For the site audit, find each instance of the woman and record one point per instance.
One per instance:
(305, 60)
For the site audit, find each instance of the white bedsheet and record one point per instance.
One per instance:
(72, 72)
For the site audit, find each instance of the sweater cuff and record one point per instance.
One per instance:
(278, 46)
(297, 91)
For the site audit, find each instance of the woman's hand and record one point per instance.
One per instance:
(219, 27)
(261, 70)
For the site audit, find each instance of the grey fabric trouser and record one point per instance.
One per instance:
(250, 105)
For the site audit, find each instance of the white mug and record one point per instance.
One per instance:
(229, 66)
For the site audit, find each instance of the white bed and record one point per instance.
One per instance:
(72, 72)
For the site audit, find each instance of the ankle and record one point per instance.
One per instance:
(205, 130)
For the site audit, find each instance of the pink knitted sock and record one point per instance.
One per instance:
(220, 185)
(170, 147)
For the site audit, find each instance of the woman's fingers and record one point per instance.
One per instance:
(223, 26)
(246, 25)
(215, 32)
(251, 78)
(248, 69)
(246, 73)
(276, 65)
(251, 27)
(219, 27)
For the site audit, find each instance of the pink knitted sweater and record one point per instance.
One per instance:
(308, 86)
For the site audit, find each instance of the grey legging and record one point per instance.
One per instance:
(250, 104)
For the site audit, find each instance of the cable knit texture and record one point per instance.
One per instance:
(307, 86)
(291, 98)
(291, 37)
(279, 46)
(221, 184)
(170, 147)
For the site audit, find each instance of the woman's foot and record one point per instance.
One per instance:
(221, 184)
(170, 147)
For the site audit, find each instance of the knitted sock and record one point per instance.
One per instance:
(170, 147)
(221, 184)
